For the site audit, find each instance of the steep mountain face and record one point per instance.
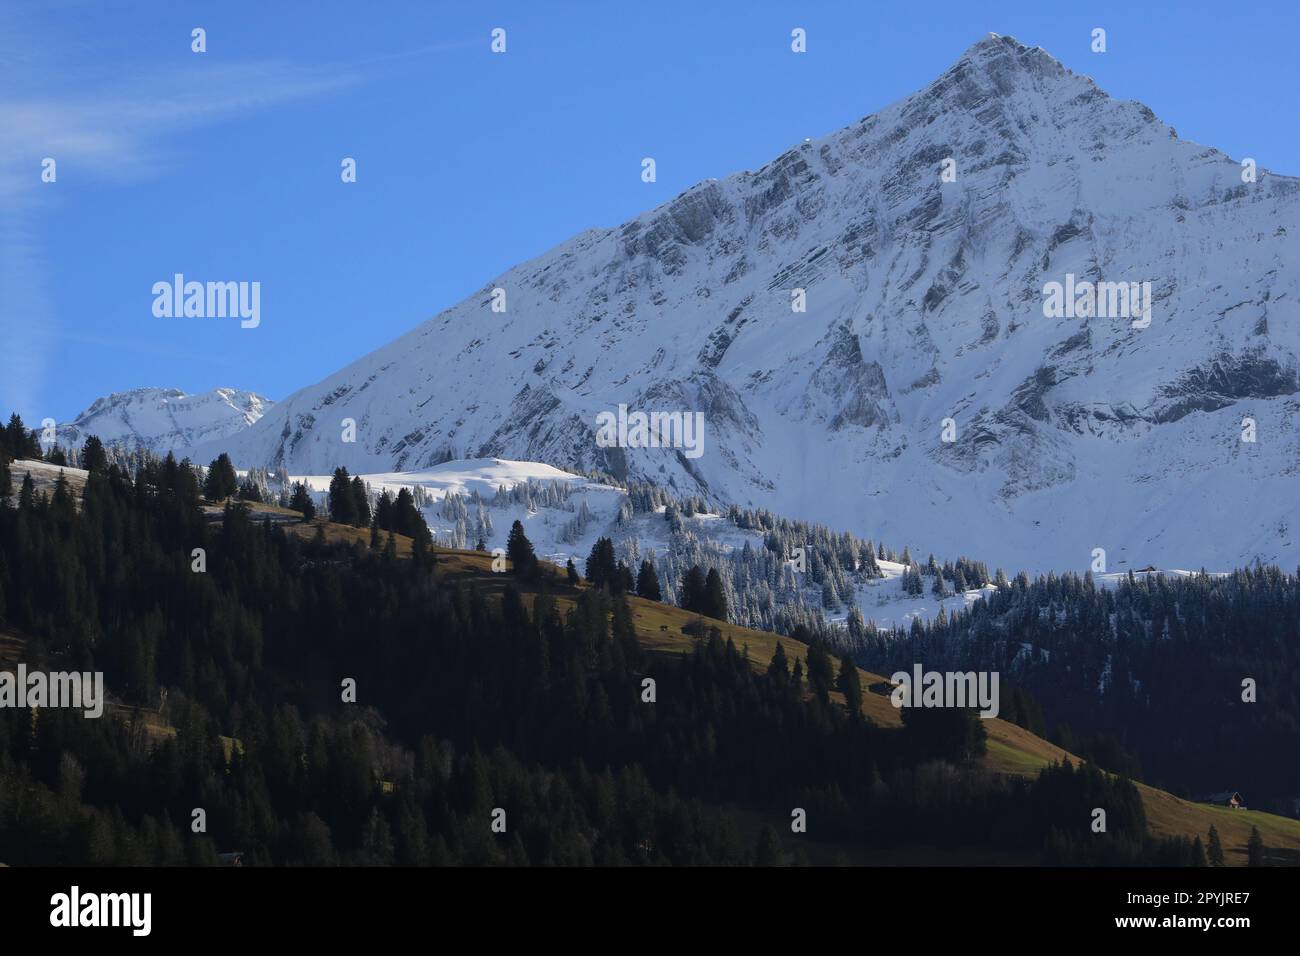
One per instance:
(163, 419)
(924, 302)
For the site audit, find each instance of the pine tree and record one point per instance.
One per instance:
(623, 582)
(715, 596)
(601, 564)
(1215, 853)
(342, 501)
(1198, 853)
(360, 503)
(93, 456)
(692, 595)
(383, 516)
(221, 482)
(1255, 848)
(778, 671)
(572, 572)
(301, 502)
(820, 672)
(523, 562)
(849, 683)
(647, 582)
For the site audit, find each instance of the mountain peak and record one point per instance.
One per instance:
(996, 45)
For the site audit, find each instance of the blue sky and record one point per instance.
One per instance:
(225, 165)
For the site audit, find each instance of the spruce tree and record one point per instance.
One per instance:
(1215, 852)
(1198, 853)
(623, 582)
(93, 456)
(715, 596)
(647, 582)
(778, 671)
(301, 502)
(342, 500)
(572, 572)
(849, 683)
(1255, 848)
(220, 482)
(523, 562)
(692, 596)
(360, 503)
(820, 672)
(601, 564)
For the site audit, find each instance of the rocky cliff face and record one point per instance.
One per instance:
(924, 302)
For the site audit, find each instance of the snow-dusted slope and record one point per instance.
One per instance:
(924, 302)
(163, 419)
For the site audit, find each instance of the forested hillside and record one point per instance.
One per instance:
(1152, 675)
(233, 693)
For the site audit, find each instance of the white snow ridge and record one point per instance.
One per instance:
(162, 419)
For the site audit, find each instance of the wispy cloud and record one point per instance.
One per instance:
(109, 130)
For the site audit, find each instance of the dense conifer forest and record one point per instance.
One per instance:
(1148, 677)
(230, 694)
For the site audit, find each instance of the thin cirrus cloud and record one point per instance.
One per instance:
(110, 132)
(107, 131)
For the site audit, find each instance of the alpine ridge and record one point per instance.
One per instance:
(924, 321)
(162, 419)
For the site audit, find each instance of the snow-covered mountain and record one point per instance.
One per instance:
(924, 303)
(163, 419)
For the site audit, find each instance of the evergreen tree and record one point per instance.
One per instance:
(1255, 848)
(220, 482)
(93, 456)
(572, 572)
(601, 564)
(383, 516)
(27, 493)
(519, 550)
(1215, 853)
(342, 500)
(715, 596)
(647, 582)
(360, 503)
(301, 501)
(19, 441)
(693, 587)
(1198, 853)
(778, 671)
(820, 672)
(849, 683)
(623, 582)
